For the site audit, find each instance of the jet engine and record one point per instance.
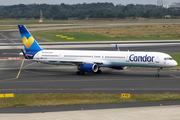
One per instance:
(88, 67)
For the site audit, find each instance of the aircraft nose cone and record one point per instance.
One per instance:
(175, 63)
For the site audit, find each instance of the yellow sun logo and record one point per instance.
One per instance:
(28, 42)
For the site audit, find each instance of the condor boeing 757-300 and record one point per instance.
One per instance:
(92, 61)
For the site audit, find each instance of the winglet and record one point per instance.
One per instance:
(117, 48)
(28, 40)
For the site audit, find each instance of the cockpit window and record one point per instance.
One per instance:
(168, 58)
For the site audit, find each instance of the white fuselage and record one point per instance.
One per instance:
(105, 58)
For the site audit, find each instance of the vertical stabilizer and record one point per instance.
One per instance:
(28, 40)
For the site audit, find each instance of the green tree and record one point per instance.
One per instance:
(125, 9)
(36, 15)
(109, 15)
(47, 16)
(120, 15)
(60, 17)
(158, 14)
(146, 15)
(93, 10)
(82, 17)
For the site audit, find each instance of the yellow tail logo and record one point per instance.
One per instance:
(28, 42)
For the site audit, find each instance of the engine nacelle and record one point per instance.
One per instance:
(88, 67)
(118, 67)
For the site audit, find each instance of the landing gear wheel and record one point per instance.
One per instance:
(158, 70)
(77, 73)
(98, 72)
(157, 75)
(80, 73)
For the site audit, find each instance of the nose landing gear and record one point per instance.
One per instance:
(158, 70)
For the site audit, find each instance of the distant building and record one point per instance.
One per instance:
(166, 6)
(159, 2)
(174, 5)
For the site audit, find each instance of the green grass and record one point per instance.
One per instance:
(117, 33)
(176, 57)
(84, 37)
(78, 36)
(79, 99)
(146, 38)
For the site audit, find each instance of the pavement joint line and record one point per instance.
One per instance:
(40, 73)
(174, 76)
(7, 38)
(105, 79)
(49, 68)
(37, 72)
(8, 79)
(7, 68)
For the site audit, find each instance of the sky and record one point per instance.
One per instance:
(115, 2)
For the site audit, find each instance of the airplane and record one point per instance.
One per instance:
(92, 61)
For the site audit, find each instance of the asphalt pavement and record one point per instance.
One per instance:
(29, 77)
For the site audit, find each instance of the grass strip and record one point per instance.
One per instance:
(78, 36)
(25, 100)
(117, 33)
(136, 32)
(176, 56)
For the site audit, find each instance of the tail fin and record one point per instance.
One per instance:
(29, 42)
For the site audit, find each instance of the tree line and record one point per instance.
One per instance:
(82, 11)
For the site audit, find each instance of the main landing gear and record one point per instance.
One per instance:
(80, 73)
(158, 70)
(98, 72)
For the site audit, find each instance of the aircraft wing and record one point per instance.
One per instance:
(77, 62)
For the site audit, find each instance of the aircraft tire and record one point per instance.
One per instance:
(80, 73)
(98, 72)
(157, 75)
(77, 73)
